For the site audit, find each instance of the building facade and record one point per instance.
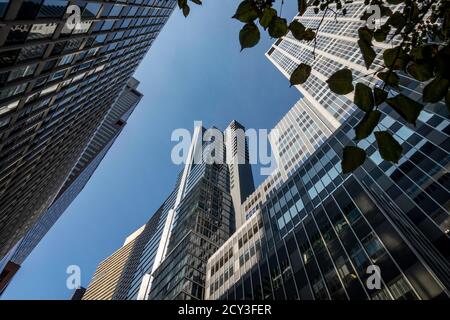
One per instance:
(85, 167)
(193, 222)
(113, 278)
(323, 229)
(204, 216)
(58, 81)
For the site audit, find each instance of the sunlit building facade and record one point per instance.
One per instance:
(322, 229)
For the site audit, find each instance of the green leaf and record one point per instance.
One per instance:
(367, 124)
(199, 2)
(246, 12)
(309, 35)
(352, 159)
(341, 82)
(381, 34)
(395, 58)
(391, 79)
(297, 29)
(278, 27)
(186, 10)
(367, 52)
(436, 90)
(249, 35)
(182, 3)
(363, 97)
(397, 20)
(425, 52)
(365, 34)
(302, 6)
(421, 71)
(390, 149)
(443, 62)
(380, 95)
(300, 74)
(407, 108)
(267, 16)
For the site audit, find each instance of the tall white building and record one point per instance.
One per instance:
(237, 158)
(334, 48)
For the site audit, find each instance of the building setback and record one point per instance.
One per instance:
(90, 159)
(57, 85)
(203, 214)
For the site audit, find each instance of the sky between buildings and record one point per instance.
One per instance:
(193, 71)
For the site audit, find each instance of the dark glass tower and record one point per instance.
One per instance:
(57, 85)
(201, 220)
(90, 159)
(204, 221)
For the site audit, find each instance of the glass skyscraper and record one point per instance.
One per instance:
(194, 221)
(57, 84)
(113, 278)
(315, 237)
(85, 167)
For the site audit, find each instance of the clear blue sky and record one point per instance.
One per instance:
(194, 71)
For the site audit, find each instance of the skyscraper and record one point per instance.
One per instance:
(78, 293)
(195, 220)
(336, 47)
(322, 230)
(90, 159)
(241, 176)
(204, 214)
(58, 83)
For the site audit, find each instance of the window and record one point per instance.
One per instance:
(5, 93)
(28, 10)
(66, 59)
(22, 72)
(115, 11)
(91, 10)
(52, 9)
(8, 107)
(373, 246)
(32, 52)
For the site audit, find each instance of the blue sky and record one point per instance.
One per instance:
(194, 71)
